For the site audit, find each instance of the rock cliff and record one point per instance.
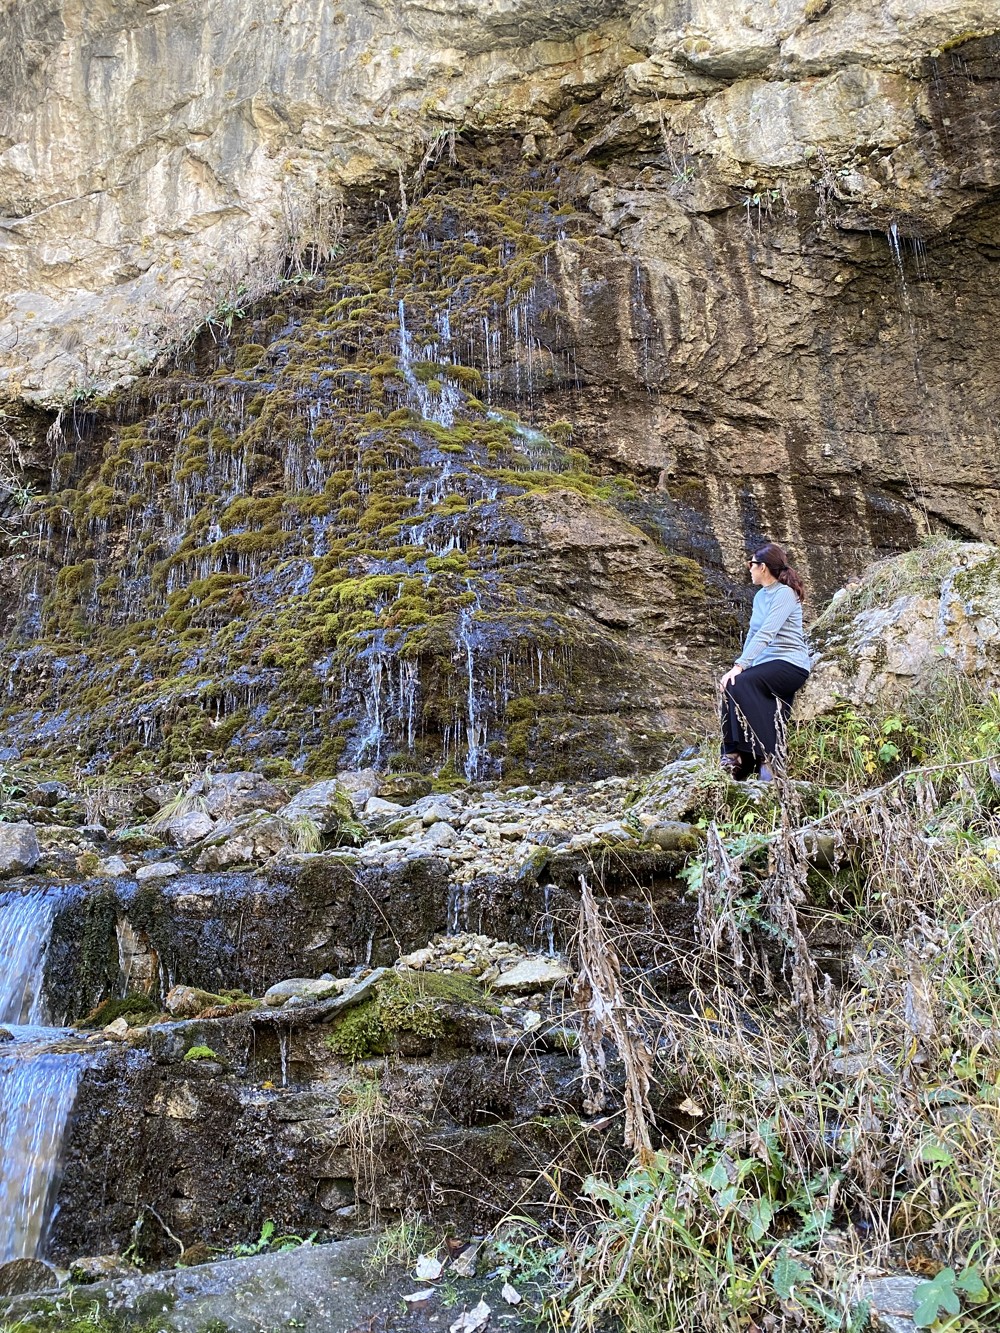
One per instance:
(741, 287)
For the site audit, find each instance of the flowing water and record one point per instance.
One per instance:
(25, 921)
(39, 1072)
(37, 1088)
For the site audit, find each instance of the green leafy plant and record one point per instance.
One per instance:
(270, 1240)
(945, 1293)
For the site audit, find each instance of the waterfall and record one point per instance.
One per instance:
(36, 1097)
(37, 1082)
(25, 921)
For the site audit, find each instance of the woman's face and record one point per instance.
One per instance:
(758, 572)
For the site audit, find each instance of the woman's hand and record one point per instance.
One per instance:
(728, 678)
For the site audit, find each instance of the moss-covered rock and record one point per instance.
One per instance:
(307, 541)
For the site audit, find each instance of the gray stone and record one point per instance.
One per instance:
(48, 794)
(353, 995)
(247, 840)
(303, 989)
(360, 786)
(155, 798)
(328, 804)
(158, 870)
(316, 1287)
(437, 836)
(377, 809)
(230, 794)
(112, 867)
(531, 974)
(892, 1302)
(911, 620)
(18, 849)
(187, 829)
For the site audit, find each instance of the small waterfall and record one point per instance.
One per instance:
(25, 921)
(36, 1097)
(37, 1081)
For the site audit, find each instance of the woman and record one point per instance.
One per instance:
(757, 692)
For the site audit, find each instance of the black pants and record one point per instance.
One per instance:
(753, 704)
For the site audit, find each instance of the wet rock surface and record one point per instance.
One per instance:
(333, 1288)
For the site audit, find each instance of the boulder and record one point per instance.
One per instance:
(112, 867)
(49, 794)
(360, 786)
(158, 870)
(230, 794)
(190, 1001)
(911, 622)
(673, 835)
(156, 797)
(18, 849)
(328, 804)
(404, 787)
(303, 990)
(379, 812)
(247, 840)
(432, 809)
(99, 1267)
(323, 1288)
(439, 835)
(18, 1276)
(678, 791)
(892, 1300)
(531, 974)
(188, 828)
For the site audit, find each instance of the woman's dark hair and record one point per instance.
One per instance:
(773, 556)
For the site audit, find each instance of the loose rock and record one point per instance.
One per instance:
(18, 849)
(158, 870)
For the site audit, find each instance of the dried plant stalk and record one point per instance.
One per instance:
(605, 1013)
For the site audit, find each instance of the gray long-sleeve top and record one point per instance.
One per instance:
(775, 629)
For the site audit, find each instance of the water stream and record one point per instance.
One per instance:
(25, 921)
(39, 1072)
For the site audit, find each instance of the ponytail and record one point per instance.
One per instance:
(773, 556)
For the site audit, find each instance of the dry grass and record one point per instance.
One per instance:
(803, 1134)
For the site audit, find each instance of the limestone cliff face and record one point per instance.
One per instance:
(156, 159)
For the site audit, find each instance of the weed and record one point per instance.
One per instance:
(399, 1244)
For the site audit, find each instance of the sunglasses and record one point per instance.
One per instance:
(755, 562)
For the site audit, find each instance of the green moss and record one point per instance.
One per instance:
(315, 474)
(249, 355)
(130, 1006)
(200, 1053)
(412, 1002)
